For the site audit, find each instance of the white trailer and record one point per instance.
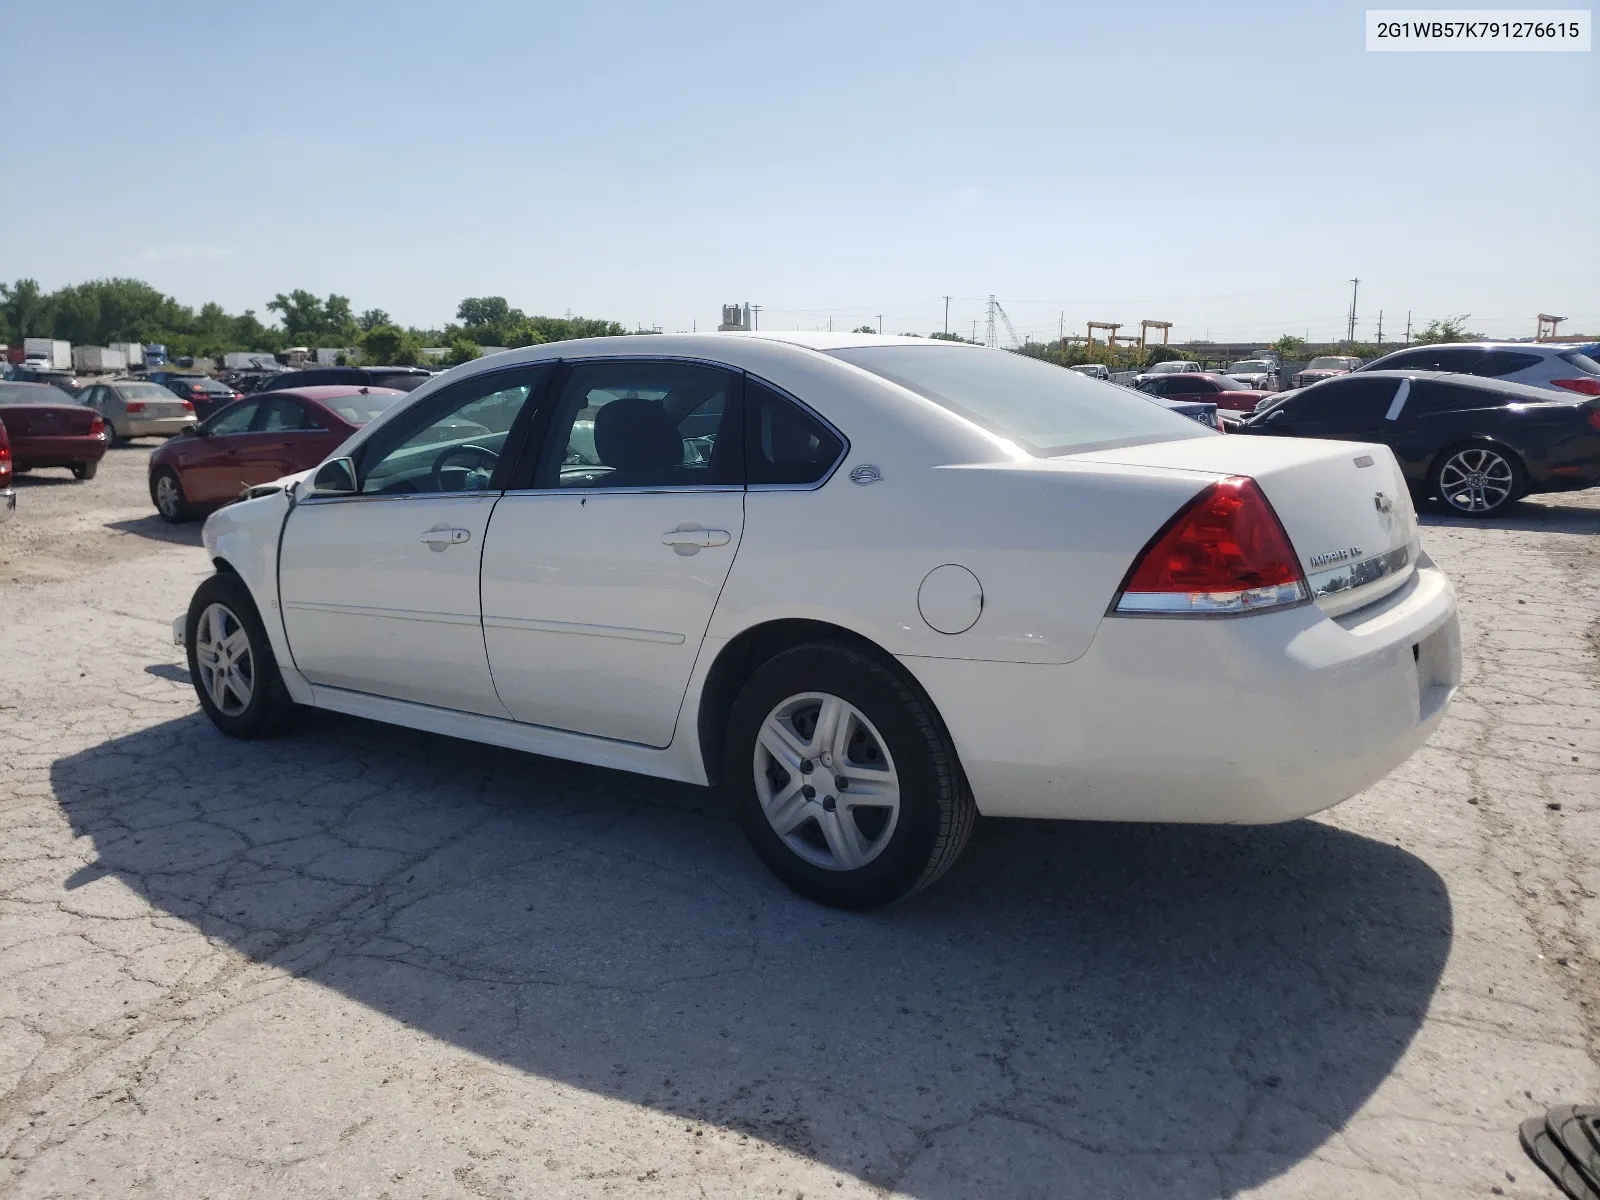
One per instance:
(250, 360)
(98, 359)
(132, 353)
(57, 354)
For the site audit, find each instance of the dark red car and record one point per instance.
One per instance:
(1207, 387)
(256, 440)
(48, 428)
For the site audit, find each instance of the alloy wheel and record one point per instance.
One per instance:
(826, 781)
(1476, 480)
(227, 664)
(168, 499)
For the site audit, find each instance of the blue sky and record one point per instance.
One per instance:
(1227, 166)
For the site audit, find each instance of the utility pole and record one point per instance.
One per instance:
(755, 317)
(880, 324)
(947, 316)
(1408, 327)
(1350, 331)
(1061, 329)
(830, 324)
(1380, 327)
(974, 331)
(990, 339)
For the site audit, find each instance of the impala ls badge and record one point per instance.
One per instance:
(1382, 503)
(1333, 556)
(865, 474)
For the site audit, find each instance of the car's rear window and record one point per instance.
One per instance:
(1043, 408)
(34, 393)
(144, 391)
(360, 407)
(404, 380)
(1582, 361)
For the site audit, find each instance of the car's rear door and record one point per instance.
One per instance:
(604, 562)
(380, 589)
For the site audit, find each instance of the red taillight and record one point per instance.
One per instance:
(97, 427)
(5, 458)
(134, 406)
(1224, 552)
(1589, 385)
(187, 407)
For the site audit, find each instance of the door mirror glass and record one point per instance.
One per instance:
(336, 477)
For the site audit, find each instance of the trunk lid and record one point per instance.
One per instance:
(47, 420)
(1344, 505)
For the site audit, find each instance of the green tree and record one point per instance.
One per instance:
(864, 329)
(1446, 329)
(478, 312)
(26, 309)
(372, 318)
(462, 350)
(389, 345)
(1289, 346)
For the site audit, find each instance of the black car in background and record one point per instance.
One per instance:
(1474, 444)
(406, 379)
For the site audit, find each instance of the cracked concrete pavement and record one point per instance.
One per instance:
(363, 962)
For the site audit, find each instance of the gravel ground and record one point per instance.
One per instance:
(365, 962)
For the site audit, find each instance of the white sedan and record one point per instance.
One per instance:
(873, 586)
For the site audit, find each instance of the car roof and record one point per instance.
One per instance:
(330, 391)
(1513, 391)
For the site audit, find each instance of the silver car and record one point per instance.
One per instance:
(135, 408)
(1561, 368)
(1258, 373)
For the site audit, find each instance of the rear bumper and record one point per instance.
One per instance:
(157, 426)
(1252, 720)
(58, 451)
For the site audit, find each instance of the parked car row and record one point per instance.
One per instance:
(45, 427)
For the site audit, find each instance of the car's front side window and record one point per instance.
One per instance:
(640, 424)
(235, 419)
(454, 442)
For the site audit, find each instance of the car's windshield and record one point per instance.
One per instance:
(144, 391)
(1319, 363)
(1041, 407)
(1162, 368)
(34, 393)
(1229, 385)
(1250, 366)
(360, 407)
(406, 381)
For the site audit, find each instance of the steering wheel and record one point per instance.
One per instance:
(476, 455)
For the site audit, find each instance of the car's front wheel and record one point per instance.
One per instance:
(845, 780)
(231, 662)
(166, 492)
(1476, 479)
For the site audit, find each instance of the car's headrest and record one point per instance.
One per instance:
(634, 434)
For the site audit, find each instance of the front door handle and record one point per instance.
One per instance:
(689, 538)
(441, 536)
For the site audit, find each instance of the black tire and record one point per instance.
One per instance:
(112, 440)
(936, 813)
(269, 709)
(85, 470)
(1505, 479)
(175, 512)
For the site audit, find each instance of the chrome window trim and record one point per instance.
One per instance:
(625, 491)
(377, 497)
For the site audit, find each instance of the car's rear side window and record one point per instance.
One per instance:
(1582, 361)
(1043, 408)
(784, 444)
(1498, 363)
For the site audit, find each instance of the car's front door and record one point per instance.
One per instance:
(1350, 407)
(380, 589)
(211, 466)
(603, 564)
(294, 439)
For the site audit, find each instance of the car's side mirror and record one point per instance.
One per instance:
(336, 477)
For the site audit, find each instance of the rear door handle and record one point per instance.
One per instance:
(688, 538)
(441, 536)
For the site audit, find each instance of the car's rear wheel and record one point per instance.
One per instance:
(85, 470)
(166, 491)
(231, 662)
(1476, 479)
(845, 780)
(113, 439)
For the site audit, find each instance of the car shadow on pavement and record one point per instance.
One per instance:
(1110, 1010)
(158, 530)
(1529, 516)
(56, 478)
